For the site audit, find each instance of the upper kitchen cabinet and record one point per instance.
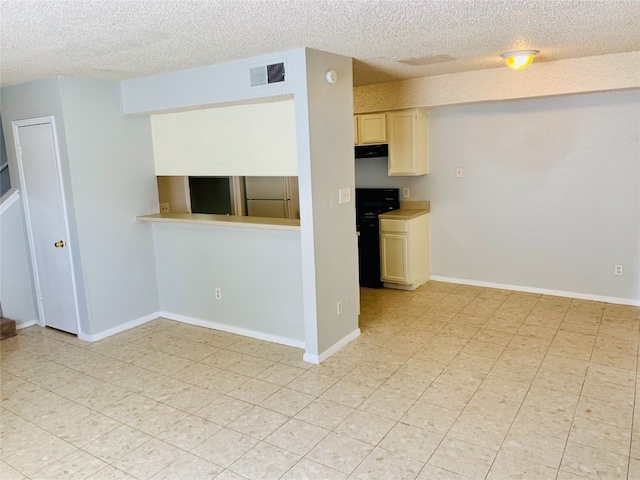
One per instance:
(241, 140)
(408, 134)
(370, 129)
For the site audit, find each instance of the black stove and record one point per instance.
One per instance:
(371, 202)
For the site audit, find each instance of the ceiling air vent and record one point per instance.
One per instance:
(266, 74)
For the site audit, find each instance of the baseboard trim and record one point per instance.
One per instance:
(232, 329)
(542, 291)
(30, 323)
(311, 358)
(119, 329)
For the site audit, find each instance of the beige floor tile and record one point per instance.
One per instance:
(406, 386)
(297, 436)
(196, 374)
(506, 467)
(87, 429)
(388, 405)
(7, 472)
(340, 453)
(165, 389)
(102, 395)
(305, 469)
(39, 454)
(565, 382)
(605, 412)
(78, 464)
(543, 421)
(148, 459)
(250, 366)
(479, 430)
(535, 447)
(264, 462)
(463, 458)
(590, 462)
(157, 419)
(606, 373)
(223, 382)
(504, 388)
(324, 413)
(258, 422)
(280, 374)
(312, 383)
(493, 408)
(129, 407)
(229, 475)
(116, 443)
(506, 368)
(224, 447)
(365, 427)
(429, 472)
(110, 473)
(634, 468)
(411, 441)
(601, 436)
(254, 391)
(189, 432)
(189, 467)
(382, 463)
(609, 392)
(287, 402)
(192, 399)
(224, 410)
(430, 417)
(348, 393)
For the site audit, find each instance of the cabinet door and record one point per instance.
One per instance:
(372, 128)
(355, 130)
(402, 136)
(394, 258)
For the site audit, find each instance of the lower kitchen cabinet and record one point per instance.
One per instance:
(404, 252)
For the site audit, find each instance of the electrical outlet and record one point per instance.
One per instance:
(164, 208)
(405, 193)
(218, 294)
(459, 172)
(344, 195)
(617, 270)
(339, 307)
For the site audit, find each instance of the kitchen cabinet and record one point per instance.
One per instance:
(408, 136)
(370, 129)
(404, 252)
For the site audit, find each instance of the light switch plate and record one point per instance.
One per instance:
(344, 195)
(405, 193)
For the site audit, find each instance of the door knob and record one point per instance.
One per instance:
(59, 244)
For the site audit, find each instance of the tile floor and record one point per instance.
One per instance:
(447, 382)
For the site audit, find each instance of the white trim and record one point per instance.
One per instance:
(49, 120)
(28, 323)
(9, 199)
(543, 291)
(312, 358)
(233, 329)
(120, 328)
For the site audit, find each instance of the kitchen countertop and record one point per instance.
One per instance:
(223, 220)
(404, 213)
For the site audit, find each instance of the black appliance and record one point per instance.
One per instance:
(371, 202)
(372, 151)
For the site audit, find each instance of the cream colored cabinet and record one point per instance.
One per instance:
(370, 129)
(408, 136)
(404, 252)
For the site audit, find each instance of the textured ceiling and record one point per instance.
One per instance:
(120, 39)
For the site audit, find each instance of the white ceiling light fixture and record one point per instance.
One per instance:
(519, 59)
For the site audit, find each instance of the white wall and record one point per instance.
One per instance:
(16, 283)
(257, 270)
(372, 173)
(550, 197)
(110, 158)
(324, 114)
(39, 99)
(257, 140)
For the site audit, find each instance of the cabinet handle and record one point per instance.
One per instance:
(59, 244)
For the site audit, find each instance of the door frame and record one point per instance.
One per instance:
(15, 125)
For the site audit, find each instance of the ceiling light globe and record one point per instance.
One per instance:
(520, 59)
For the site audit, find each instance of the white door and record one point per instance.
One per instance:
(45, 211)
